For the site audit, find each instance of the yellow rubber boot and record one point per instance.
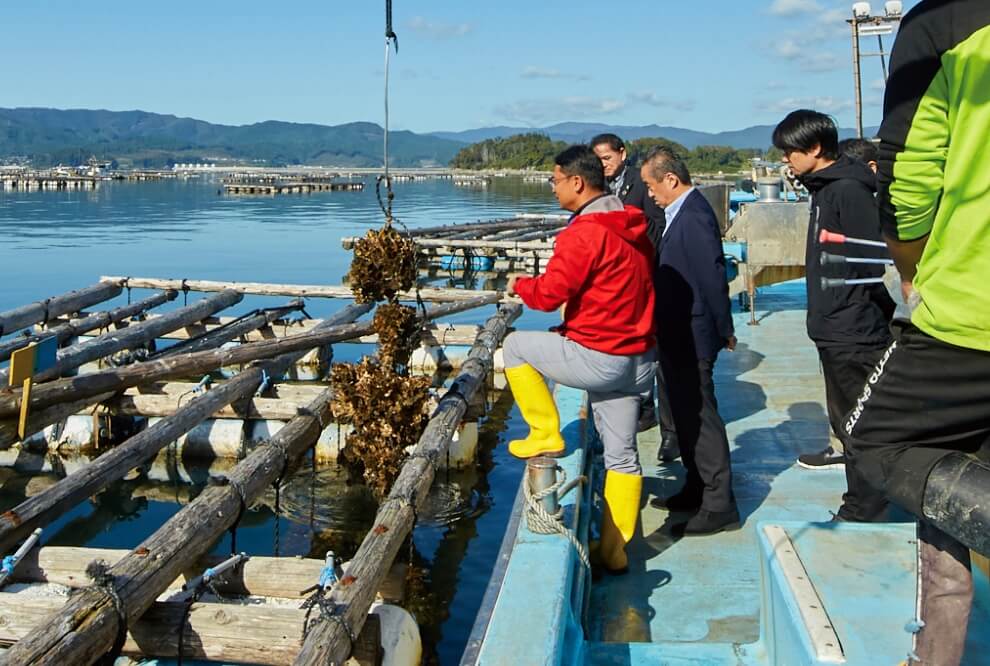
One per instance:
(540, 412)
(622, 493)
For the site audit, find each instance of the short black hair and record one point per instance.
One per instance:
(580, 160)
(804, 129)
(863, 150)
(661, 161)
(611, 140)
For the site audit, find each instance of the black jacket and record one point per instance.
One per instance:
(842, 201)
(694, 317)
(634, 193)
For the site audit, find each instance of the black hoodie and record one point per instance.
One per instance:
(842, 201)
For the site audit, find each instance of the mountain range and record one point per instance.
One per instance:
(47, 136)
(757, 136)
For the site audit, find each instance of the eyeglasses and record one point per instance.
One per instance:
(555, 181)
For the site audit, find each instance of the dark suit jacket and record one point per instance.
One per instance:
(693, 312)
(635, 193)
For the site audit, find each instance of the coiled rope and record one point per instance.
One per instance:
(541, 521)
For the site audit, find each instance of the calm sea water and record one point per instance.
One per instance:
(51, 242)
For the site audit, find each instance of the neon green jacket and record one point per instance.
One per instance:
(935, 163)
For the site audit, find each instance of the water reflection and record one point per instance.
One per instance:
(56, 241)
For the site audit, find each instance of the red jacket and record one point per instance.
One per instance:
(601, 268)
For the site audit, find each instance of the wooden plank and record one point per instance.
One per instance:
(222, 632)
(283, 577)
(434, 334)
(183, 365)
(139, 449)
(86, 626)
(330, 641)
(75, 327)
(277, 409)
(429, 295)
(235, 329)
(73, 301)
(132, 336)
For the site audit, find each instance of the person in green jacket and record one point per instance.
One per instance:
(924, 413)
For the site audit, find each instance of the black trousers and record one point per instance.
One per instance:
(700, 429)
(663, 403)
(925, 399)
(846, 371)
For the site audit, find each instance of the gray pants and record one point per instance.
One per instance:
(614, 385)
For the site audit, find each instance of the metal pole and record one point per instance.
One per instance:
(883, 57)
(857, 78)
(542, 473)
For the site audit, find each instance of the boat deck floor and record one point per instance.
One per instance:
(701, 596)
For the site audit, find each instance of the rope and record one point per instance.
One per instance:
(541, 521)
(278, 496)
(205, 584)
(99, 572)
(265, 383)
(329, 612)
(242, 506)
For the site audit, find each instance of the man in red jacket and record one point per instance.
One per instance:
(601, 270)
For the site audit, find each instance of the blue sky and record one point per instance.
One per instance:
(711, 65)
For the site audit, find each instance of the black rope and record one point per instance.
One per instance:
(193, 598)
(389, 33)
(278, 496)
(99, 573)
(278, 515)
(312, 492)
(241, 508)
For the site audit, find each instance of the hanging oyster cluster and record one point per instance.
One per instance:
(384, 264)
(386, 406)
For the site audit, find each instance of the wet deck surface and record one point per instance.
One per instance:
(706, 590)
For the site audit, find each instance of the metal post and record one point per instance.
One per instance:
(541, 473)
(857, 78)
(883, 58)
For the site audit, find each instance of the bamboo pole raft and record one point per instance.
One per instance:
(330, 640)
(291, 187)
(123, 608)
(522, 243)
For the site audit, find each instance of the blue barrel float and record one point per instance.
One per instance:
(460, 263)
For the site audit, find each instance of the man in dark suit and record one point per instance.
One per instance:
(625, 182)
(694, 323)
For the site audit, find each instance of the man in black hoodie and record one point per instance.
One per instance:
(849, 324)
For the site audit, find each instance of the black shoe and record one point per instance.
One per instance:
(685, 500)
(827, 459)
(669, 450)
(712, 522)
(647, 416)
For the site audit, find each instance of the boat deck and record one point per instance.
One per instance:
(698, 596)
(788, 588)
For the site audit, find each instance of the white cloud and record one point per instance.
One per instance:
(822, 62)
(814, 60)
(788, 49)
(535, 72)
(826, 104)
(539, 111)
(438, 30)
(794, 7)
(651, 99)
